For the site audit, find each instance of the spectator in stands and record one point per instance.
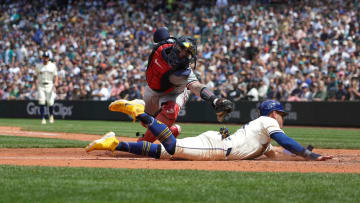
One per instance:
(354, 89)
(341, 92)
(295, 96)
(2, 93)
(125, 94)
(306, 94)
(116, 90)
(262, 89)
(235, 93)
(319, 92)
(134, 92)
(76, 94)
(253, 94)
(295, 38)
(332, 87)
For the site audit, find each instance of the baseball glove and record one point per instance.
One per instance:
(222, 108)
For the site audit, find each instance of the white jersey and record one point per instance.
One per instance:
(253, 139)
(249, 142)
(46, 73)
(45, 80)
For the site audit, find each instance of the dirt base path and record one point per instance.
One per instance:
(345, 161)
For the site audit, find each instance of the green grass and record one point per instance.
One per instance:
(30, 142)
(74, 126)
(50, 184)
(330, 138)
(127, 129)
(318, 137)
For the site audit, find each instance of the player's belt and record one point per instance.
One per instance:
(45, 83)
(228, 151)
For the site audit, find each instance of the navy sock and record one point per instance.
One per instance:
(145, 118)
(50, 110)
(142, 148)
(160, 131)
(42, 111)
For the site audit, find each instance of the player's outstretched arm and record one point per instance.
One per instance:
(295, 148)
(221, 106)
(196, 87)
(280, 154)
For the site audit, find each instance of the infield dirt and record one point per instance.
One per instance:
(345, 161)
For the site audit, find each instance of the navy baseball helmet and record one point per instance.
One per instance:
(161, 34)
(266, 107)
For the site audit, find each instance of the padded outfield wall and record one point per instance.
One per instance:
(337, 114)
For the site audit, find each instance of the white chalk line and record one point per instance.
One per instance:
(30, 133)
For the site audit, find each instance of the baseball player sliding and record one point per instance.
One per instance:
(249, 142)
(47, 80)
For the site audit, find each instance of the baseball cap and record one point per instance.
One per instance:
(304, 85)
(46, 54)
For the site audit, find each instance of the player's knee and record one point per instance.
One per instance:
(169, 113)
(170, 109)
(175, 130)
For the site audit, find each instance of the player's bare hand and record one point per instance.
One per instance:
(323, 158)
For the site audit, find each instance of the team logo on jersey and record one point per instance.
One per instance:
(157, 63)
(170, 111)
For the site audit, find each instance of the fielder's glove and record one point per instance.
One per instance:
(222, 108)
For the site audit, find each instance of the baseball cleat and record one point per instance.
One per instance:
(107, 142)
(131, 108)
(51, 120)
(43, 121)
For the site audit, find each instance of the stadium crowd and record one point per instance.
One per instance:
(247, 50)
